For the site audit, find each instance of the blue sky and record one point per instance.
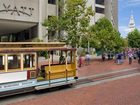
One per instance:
(126, 8)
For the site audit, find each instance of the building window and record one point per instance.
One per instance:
(51, 1)
(49, 17)
(101, 2)
(100, 10)
(51, 35)
(4, 38)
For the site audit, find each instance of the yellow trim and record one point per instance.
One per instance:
(29, 68)
(21, 61)
(31, 43)
(17, 46)
(13, 70)
(36, 60)
(6, 62)
(66, 60)
(1, 71)
(29, 53)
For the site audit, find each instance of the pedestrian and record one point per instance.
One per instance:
(80, 61)
(122, 58)
(135, 55)
(138, 54)
(124, 54)
(116, 57)
(87, 58)
(103, 56)
(61, 59)
(119, 58)
(130, 56)
(109, 55)
(112, 55)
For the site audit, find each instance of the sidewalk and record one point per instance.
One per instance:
(97, 66)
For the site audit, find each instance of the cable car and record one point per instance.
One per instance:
(29, 66)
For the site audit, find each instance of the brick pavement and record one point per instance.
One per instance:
(119, 92)
(97, 67)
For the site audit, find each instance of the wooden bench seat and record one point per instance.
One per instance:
(59, 71)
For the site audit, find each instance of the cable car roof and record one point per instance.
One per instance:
(31, 46)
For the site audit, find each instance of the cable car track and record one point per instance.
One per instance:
(81, 82)
(100, 78)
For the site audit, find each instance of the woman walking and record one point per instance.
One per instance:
(130, 56)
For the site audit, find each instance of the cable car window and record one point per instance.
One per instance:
(14, 62)
(62, 57)
(29, 60)
(2, 62)
(57, 57)
(69, 57)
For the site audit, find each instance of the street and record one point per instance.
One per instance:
(119, 91)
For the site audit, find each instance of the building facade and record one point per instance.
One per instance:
(18, 19)
(21, 20)
(105, 8)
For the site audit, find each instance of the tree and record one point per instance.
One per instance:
(106, 37)
(74, 21)
(125, 42)
(134, 39)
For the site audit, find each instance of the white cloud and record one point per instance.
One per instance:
(130, 3)
(133, 2)
(124, 30)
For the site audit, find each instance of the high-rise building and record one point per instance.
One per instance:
(111, 11)
(21, 20)
(105, 8)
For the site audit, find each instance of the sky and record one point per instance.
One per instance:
(126, 8)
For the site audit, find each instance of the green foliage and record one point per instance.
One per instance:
(134, 39)
(52, 23)
(77, 18)
(37, 40)
(41, 53)
(125, 42)
(74, 21)
(106, 37)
